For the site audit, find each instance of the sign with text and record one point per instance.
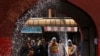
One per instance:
(31, 29)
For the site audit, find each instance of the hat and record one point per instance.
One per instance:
(53, 38)
(69, 40)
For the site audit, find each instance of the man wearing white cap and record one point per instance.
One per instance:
(53, 47)
(72, 49)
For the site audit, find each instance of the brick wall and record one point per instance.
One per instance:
(5, 46)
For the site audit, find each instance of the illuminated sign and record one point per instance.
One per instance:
(60, 29)
(50, 22)
(31, 29)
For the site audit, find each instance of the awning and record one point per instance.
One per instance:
(31, 29)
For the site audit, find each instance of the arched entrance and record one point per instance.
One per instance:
(87, 29)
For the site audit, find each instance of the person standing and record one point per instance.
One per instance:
(53, 48)
(61, 48)
(72, 49)
(29, 43)
(35, 46)
(43, 48)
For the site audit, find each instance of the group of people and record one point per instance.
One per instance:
(34, 47)
(40, 47)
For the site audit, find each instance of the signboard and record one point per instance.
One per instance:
(61, 29)
(51, 22)
(31, 29)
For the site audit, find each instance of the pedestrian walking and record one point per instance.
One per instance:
(53, 48)
(61, 48)
(72, 49)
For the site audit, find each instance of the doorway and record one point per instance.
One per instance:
(87, 32)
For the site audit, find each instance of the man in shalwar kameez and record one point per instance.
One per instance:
(72, 49)
(53, 48)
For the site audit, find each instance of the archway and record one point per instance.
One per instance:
(88, 29)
